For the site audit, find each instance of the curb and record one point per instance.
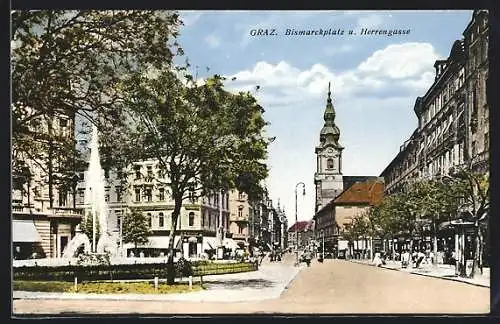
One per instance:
(27, 295)
(426, 275)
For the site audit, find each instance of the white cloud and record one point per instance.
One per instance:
(399, 61)
(212, 41)
(335, 49)
(410, 64)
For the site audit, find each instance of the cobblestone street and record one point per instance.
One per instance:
(334, 287)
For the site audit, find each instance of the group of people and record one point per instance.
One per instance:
(416, 258)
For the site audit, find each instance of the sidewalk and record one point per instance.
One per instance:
(443, 271)
(269, 282)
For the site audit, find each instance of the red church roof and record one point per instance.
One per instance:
(369, 192)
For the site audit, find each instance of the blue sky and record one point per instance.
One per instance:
(375, 81)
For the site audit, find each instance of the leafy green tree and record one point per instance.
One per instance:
(473, 189)
(348, 233)
(136, 228)
(439, 202)
(204, 137)
(68, 64)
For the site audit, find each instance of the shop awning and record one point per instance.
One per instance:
(343, 244)
(24, 231)
(161, 242)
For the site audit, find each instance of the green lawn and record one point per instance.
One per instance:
(104, 287)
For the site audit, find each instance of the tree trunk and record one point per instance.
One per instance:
(476, 252)
(371, 248)
(481, 250)
(29, 196)
(170, 261)
(50, 161)
(434, 243)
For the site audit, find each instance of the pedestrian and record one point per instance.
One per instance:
(405, 259)
(414, 256)
(420, 258)
(377, 261)
(431, 257)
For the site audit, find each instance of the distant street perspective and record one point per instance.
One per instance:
(185, 162)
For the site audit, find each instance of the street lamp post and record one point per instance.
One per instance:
(323, 243)
(296, 220)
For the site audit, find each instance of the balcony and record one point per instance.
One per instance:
(240, 236)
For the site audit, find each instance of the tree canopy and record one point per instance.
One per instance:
(135, 228)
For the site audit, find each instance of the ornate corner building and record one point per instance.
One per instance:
(453, 115)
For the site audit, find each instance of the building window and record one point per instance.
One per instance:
(474, 101)
(162, 194)
(106, 197)
(150, 172)
(161, 220)
(460, 153)
(118, 191)
(150, 220)
(137, 194)
(118, 218)
(486, 142)
(240, 229)
(209, 220)
(329, 163)
(81, 193)
(191, 219)
(149, 195)
(241, 196)
(63, 122)
(240, 211)
(62, 197)
(161, 174)
(137, 171)
(81, 176)
(106, 173)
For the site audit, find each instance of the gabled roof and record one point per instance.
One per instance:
(300, 226)
(368, 192)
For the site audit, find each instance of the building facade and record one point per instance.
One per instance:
(240, 217)
(453, 116)
(202, 226)
(356, 201)
(44, 216)
(300, 234)
(453, 122)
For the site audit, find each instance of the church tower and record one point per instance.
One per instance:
(328, 177)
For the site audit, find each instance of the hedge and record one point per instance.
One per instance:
(125, 271)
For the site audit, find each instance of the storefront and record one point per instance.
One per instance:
(25, 238)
